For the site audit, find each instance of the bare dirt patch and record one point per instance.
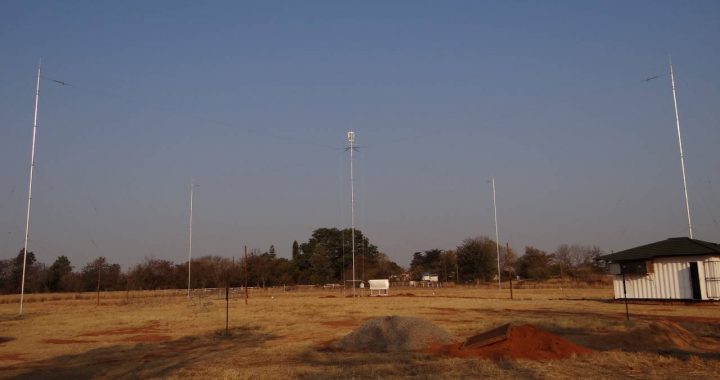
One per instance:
(443, 311)
(148, 338)
(341, 323)
(12, 357)
(328, 296)
(150, 328)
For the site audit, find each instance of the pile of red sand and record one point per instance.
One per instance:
(520, 342)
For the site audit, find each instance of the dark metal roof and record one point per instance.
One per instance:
(680, 246)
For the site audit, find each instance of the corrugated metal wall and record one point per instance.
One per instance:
(712, 279)
(671, 280)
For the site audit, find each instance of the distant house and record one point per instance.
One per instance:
(671, 269)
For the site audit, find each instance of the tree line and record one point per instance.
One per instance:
(326, 257)
(476, 260)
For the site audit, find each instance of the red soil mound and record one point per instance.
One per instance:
(522, 342)
(330, 296)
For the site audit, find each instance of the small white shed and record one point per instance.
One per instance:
(671, 269)
(380, 286)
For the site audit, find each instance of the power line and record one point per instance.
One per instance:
(179, 111)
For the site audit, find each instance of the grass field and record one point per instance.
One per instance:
(282, 334)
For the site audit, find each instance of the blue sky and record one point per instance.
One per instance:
(252, 100)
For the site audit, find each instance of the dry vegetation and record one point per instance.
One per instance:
(285, 334)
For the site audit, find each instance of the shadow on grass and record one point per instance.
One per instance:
(4, 339)
(637, 337)
(328, 364)
(144, 360)
(335, 364)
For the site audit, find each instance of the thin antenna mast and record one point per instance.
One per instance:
(682, 156)
(192, 193)
(351, 148)
(32, 166)
(497, 239)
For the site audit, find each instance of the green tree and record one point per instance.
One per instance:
(295, 250)
(383, 268)
(477, 259)
(337, 246)
(428, 261)
(110, 275)
(534, 264)
(157, 274)
(508, 258)
(59, 271)
(31, 274)
(448, 264)
(321, 268)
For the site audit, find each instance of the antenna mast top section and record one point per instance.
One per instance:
(351, 137)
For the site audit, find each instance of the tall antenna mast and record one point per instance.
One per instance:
(192, 193)
(682, 156)
(32, 166)
(497, 239)
(351, 148)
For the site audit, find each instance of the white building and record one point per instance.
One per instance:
(671, 269)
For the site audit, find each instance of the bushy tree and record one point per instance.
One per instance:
(11, 274)
(111, 277)
(448, 263)
(476, 259)
(59, 270)
(426, 262)
(576, 261)
(154, 274)
(508, 258)
(321, 268)
(336, 246)
(534, 264)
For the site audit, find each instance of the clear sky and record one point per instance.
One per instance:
(253, 100)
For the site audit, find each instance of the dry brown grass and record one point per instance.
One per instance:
(282, 335)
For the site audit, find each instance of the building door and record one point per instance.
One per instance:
(695, 280)
(712, 279)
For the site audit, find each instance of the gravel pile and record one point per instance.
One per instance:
(385, 334)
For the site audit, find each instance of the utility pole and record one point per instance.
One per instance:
(682, 156)
(29, 198)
